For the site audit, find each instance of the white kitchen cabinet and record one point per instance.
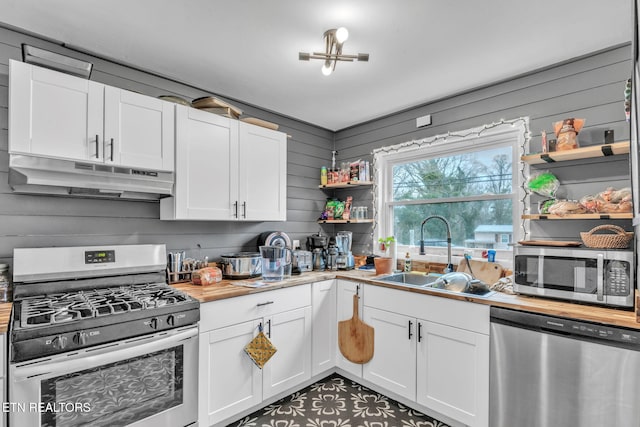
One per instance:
(55, 115)
(262, 171)
(226, 170)
(290, 333)
(206, 176)
(394, 363)
(431, 350)
(138, 130)
(323, 334)
(344, 306)
(3, 376)
(229, 380)
(452, 372)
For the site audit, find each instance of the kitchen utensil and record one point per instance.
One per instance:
(488, 272)
(274, 262)
(318, 256)
(241, 265)
(355, 338)
(456, 281)
(260, 349)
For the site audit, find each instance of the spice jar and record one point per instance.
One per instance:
(4, 282)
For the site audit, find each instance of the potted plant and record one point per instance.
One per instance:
(384, 264)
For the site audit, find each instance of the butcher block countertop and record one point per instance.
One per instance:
(233, 288)
(5, 315)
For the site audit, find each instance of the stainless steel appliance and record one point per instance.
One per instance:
(98, 338)
(552, 371)
(345, 260)
(598, 276)
(241, 265)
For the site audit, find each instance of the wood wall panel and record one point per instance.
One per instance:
(33, 221)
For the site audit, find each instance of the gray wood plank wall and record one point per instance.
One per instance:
(590, 87)
(35, 221)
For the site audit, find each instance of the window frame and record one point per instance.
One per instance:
(513, 134)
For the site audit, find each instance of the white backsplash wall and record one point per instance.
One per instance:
(35, 221)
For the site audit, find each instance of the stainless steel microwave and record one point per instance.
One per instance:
(598, 276)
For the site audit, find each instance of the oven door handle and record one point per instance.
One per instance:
(140, 347)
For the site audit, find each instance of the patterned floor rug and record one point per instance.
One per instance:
(337, 402)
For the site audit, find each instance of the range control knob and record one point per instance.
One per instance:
(171, 320)
(80, 338)
(153, 323)
(59, 342)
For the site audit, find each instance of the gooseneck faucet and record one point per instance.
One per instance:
(449, 268)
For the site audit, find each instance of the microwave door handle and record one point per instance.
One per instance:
(600, 277)
(106, 357)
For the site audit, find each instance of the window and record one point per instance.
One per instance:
(468, 178)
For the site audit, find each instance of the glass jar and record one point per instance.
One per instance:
(4, 282)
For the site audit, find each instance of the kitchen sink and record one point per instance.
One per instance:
(425, 281)
(408, 279)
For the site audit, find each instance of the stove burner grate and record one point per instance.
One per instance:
(66, 307)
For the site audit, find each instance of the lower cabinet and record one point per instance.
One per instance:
(394, 353)
(431, 350)
(324, 327)
(3, 376)
(453, 372)
(230, 382)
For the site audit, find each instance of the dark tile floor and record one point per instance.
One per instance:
(337, 402)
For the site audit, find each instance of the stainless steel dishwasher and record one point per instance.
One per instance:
(555, 372)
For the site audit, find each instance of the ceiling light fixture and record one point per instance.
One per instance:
(333, 39)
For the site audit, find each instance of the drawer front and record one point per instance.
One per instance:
(230, 311)
(460, 314)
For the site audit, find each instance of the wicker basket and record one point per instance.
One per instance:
(619, 240)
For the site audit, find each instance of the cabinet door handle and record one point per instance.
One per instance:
(260, 304)
(419, 331)
(235, 208)
(244, 209)
(97, 146)
(112, 149)
(410, 327)
(269, 330)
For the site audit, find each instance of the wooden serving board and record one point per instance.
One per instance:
(355, 338)
(260, 122)
(488, 272)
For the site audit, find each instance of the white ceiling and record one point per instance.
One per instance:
(420, 50)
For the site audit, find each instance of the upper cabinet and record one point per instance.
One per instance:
(262, 171)
(52, 114)
(226, 170)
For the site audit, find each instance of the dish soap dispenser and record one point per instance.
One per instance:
(407, 263)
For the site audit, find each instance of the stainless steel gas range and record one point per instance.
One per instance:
(98, 338)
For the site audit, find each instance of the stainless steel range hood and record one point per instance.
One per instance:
(37, 175)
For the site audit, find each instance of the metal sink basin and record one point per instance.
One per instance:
(408, 279)
(424, 281)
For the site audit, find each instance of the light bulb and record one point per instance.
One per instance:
(327, 69)
(342, 34)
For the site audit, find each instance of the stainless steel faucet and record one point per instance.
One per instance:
(449, 268)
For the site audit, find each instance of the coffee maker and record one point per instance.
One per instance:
(317, 244)
(345, 259)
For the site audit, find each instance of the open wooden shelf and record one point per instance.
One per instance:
(578, 153)
(345, 221)
(580, 216)
(347, 184)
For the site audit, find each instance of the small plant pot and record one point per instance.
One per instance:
(384, 265)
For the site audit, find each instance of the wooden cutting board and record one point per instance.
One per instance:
(355, 338)
(488, 272)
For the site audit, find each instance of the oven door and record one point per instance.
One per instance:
(143, 381)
